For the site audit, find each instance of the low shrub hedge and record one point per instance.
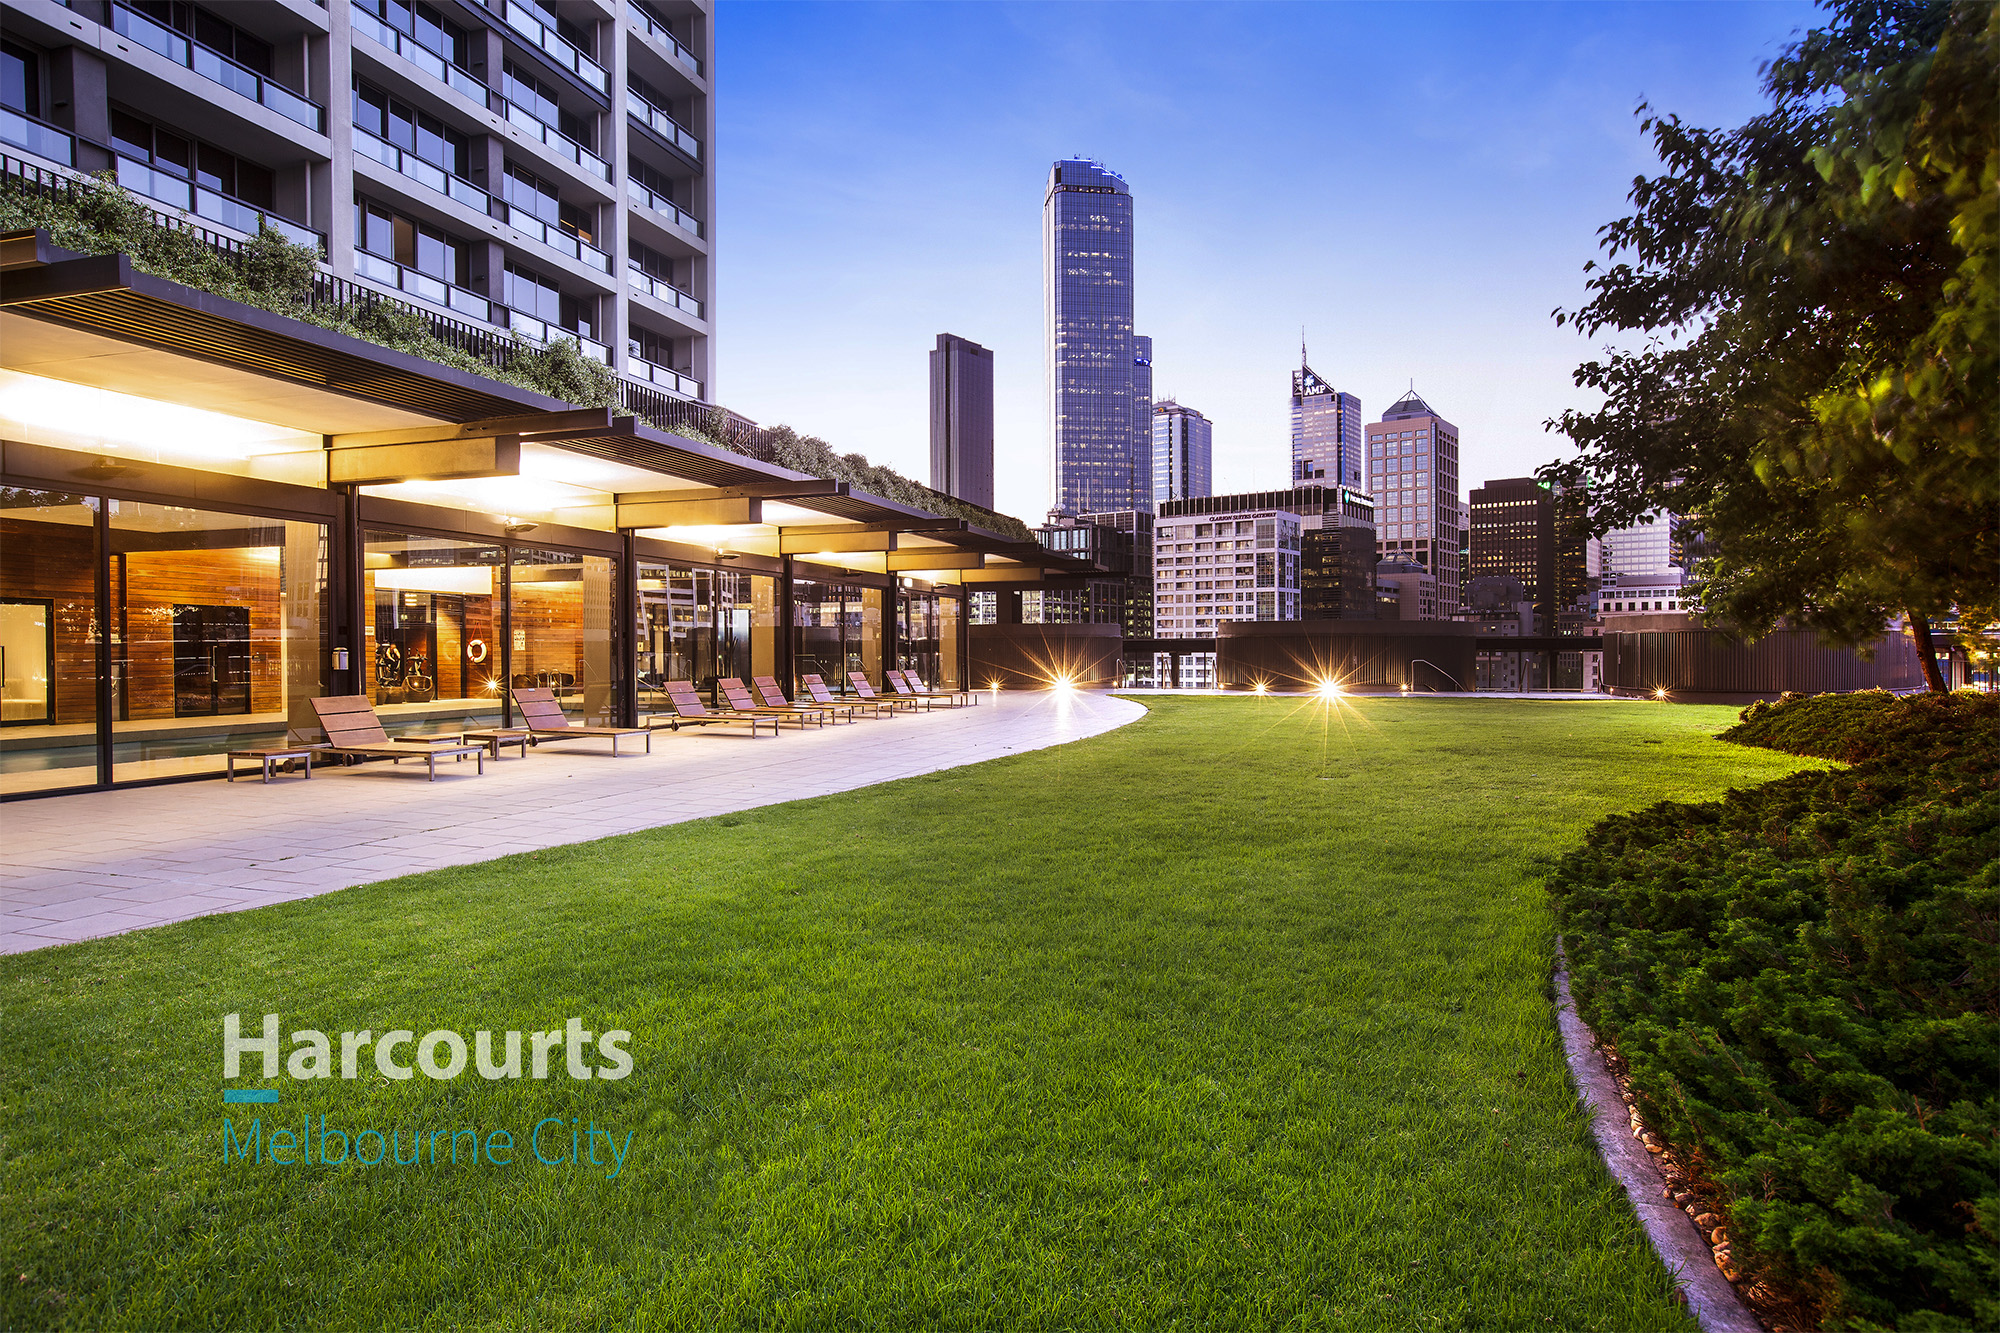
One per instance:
(1805, 980)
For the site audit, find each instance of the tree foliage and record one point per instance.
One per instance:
(1817, 383)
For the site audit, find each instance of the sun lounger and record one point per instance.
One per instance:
(690, 711)
(859, 680)
(908, 682)
(822, 695)
(902, 691)
(545, 721)
(353, 731)
(773, 697)
(740, 701)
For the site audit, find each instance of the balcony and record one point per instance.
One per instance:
(662, 124)
(661, 290)
(178, 192)
(687, 386)
(558, 48)
(644, 198)
(37, 137)
(658, 32)
(377, 149)
(425, 59)
(422, 285)
(541, 331)
(554, 138)
(556, 239)
(217, 68)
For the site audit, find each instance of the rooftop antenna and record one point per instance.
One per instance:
(1302, 347)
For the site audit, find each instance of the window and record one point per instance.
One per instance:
(425, 24)
(411, 130)
(159, 152)
(20, 80)
(533, 195)
(658, 349)
(218, 35)
(539, 298)
(413, 244)
(544, 103)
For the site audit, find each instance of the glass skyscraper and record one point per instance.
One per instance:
(1183, 453)
(1099, 374)
(1326, 431)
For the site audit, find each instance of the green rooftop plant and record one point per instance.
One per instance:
(98, 216)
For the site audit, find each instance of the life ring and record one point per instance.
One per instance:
(475, 650)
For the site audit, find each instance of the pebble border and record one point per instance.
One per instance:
(1681, 1247)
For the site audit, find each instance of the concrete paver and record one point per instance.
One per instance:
(101, 863)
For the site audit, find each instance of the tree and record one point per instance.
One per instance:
(1817, 384)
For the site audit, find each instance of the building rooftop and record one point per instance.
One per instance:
(1409, 405)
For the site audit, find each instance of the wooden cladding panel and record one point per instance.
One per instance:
(52, 562)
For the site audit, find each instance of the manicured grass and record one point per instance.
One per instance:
(1236, 1017)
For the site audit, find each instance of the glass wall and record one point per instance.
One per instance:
(951, 667)
(917, 634)
(561, 611)
(434, 656)
(217, 633)
(836, 629)
(48, 640)
(700, 625)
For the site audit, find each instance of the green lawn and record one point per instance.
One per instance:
(1236, 1017)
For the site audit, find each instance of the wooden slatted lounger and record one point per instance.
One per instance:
(741, 702)
(689, 710)
(903, 691)
(914, 685)
(545, 721)
(352, 729)
(859, 679)
(822, 695)
(773, 697)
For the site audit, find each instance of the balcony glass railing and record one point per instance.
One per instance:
(661, 290)
(425, 59)
(642, 197)
(555, 238)
(38, 138)
(656, 30)
(564, 146)
(216, 68)
(545, 333)
(177, 192)
(422, 285)
(673, 381)
(559, 49)
(377, 149)
(662, 124)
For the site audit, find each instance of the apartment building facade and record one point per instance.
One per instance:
(1213, 564)
(530, 167)
(1183, 453)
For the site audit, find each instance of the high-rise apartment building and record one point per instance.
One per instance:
(1183, 453)
(1413, 475)
(1227, 557)
(962, 419)
(533, 167)
(1100, 378)
(1326, 431)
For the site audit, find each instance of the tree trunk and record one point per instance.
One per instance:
(1920, 626)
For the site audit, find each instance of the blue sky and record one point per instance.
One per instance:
(1419, 185)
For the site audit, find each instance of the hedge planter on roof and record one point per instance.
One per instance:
(1805, 979)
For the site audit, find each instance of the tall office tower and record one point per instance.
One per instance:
(1183, 453)
(1526, 532)
(1413, 474)
(517, 166)
(1099, 430)
(962, 419)
(1326, 430)
(1645, 548)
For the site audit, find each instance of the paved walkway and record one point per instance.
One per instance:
(101, 863)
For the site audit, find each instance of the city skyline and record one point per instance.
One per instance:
(831, 283)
